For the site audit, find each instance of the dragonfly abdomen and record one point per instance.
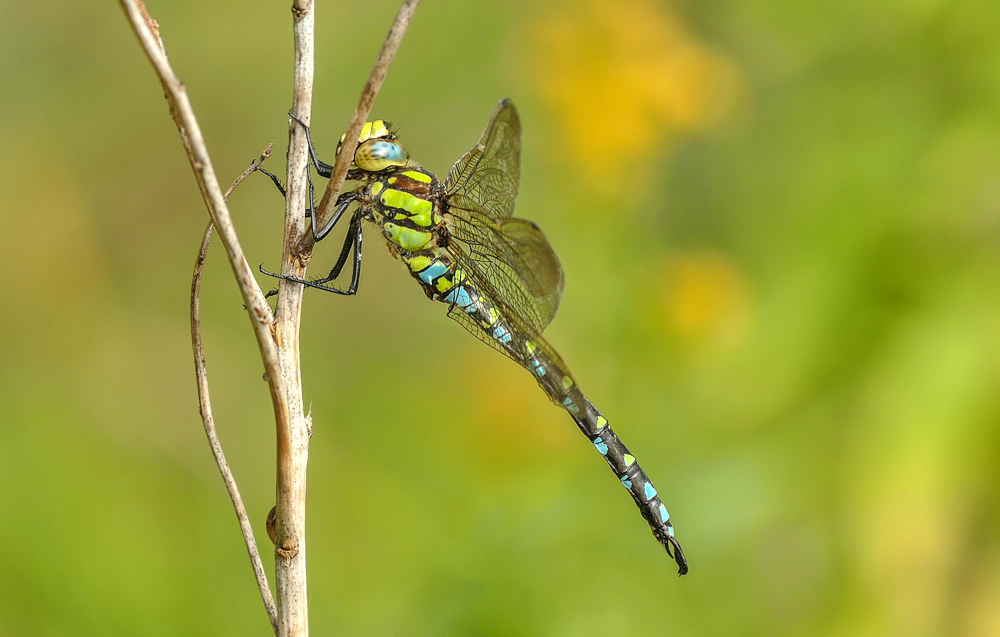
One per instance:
(562, 389)
(630, 474)
(558, 384)
(434, 270)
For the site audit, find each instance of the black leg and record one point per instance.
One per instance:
(311, 213)
(343, 202)
(323, 168)
(274, 178)
(353, 240)
(356, 270)
(345, 251)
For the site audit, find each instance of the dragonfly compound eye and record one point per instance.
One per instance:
(378, 154)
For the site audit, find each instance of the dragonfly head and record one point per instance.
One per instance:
(377, 147)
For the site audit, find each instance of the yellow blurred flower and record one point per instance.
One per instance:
(624, 76)
(705, 296)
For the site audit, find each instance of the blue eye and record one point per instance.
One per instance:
(379, 154)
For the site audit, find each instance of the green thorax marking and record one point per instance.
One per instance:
(404, 202)
(419, 209)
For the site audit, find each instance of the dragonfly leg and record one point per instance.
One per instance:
(351, 241)
(323, 168)
(274, 178)
(345, 200)
(311, 213)
(281, 189)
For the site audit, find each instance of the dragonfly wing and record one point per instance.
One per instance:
(489, 173)
(516, 259)
(517, 338)
(511, 269)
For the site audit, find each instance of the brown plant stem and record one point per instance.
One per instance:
(360, 116)
(277, 334)
(205, 408)
(258, 310)
(293, 433)
(201, 163)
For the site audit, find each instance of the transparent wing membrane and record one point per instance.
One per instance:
(489, 173)
(508, 257)
(520, 340)
(515, 258)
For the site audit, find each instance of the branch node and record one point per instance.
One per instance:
(287, 554)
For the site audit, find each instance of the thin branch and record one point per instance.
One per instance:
(147, 31)
(293, 433)
(279, 364)
(277, 334)
(205, 407)
(368, 95)
(254, 165)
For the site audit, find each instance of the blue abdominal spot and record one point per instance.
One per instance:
(432, 272)
(571, 407)
(501, 333)
(461, 298)
(650, 491)
(599, 443)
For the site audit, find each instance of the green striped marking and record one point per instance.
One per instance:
(407, 238)
(415, 176)
(420, 209)
(419, 263)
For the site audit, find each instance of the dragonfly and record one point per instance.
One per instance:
(497, 273)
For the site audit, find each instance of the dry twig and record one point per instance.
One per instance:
(278, 333)
(360, 116)
(201, 163)
(205, 407)
(293, 432)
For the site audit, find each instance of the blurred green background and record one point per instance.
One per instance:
(780, 226)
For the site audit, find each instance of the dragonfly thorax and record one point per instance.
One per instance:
(406, 203)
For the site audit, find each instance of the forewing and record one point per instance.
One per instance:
(489, 173)
(509, 262)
